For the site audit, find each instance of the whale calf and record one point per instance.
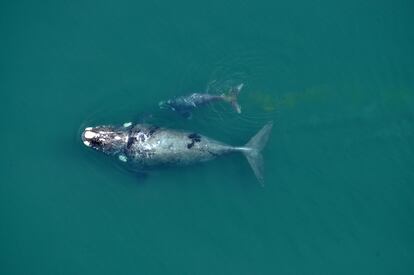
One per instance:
(184, 105)
(144, 146)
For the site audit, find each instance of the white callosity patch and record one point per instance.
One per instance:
(122, 158)
(87, 143)
(127, 124)
(90, 134)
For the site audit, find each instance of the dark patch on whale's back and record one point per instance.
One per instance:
(194, 137)
(131, 141)
(132, 138)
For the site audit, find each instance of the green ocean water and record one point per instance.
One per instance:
(336, 77)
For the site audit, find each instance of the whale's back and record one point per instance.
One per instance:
(167, 147)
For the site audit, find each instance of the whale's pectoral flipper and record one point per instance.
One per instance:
(253, 148)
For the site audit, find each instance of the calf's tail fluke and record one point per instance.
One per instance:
(252, 150)
(231, 97)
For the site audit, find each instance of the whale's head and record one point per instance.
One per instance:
(167, 104)
(107, 139)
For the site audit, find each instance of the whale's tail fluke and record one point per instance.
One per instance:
(231, 97)
(253, 148)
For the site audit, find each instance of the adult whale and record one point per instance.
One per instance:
(145, 146)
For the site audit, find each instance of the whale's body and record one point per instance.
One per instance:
(145, 146)
(184, 105)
